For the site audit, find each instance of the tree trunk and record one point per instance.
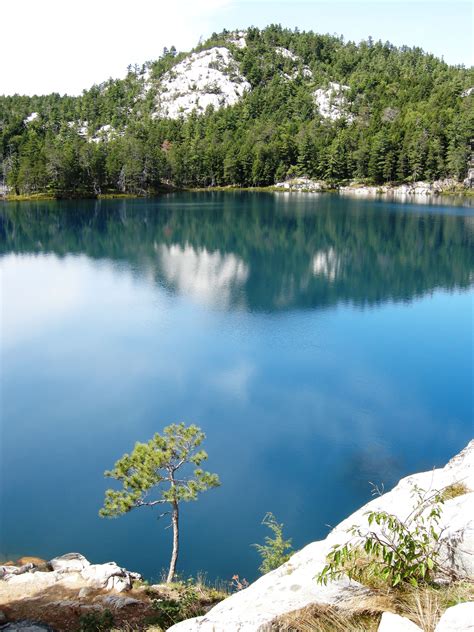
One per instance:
(174, 554)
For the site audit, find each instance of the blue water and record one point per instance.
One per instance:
(320, 342)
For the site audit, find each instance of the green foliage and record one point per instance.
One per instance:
(152, 466)
(276, 550)
(96, 622)
(397, 552)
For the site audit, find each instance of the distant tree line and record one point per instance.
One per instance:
(408, 121)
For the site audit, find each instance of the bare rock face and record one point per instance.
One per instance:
(331, 102)
(395, 623)
(459, 618)
(210, 77)
(293, 587)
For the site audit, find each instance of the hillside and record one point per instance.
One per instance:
(247, 108)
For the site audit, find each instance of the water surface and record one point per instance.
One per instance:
(320, 342)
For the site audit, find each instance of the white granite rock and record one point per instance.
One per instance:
(459, 618)
(69, 562)
(301, 184)
(109, 576)
(210, 77)
(73, 569)
(332, 103)
(395, 623)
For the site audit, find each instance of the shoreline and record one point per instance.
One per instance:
(414, 191)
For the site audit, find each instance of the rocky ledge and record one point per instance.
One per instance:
(408, 190)
(71, 569)
(292, 587)
(69, 593)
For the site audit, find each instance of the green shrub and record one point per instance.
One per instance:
(276, 551)
(399, 552)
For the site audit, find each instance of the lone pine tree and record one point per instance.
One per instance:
(155, 473)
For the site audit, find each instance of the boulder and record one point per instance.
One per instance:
(69, 562)
(109, 576)
(395, 623)
(459, 618)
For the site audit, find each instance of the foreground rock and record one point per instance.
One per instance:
(459, 618)
(71, 569)
(293, 587)
(395, 623)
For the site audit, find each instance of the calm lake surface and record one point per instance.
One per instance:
(320, 342)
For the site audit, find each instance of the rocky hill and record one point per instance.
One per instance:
(247, 108)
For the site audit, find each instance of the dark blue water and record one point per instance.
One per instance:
(320, 342)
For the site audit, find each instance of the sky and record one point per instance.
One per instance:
(60, 46)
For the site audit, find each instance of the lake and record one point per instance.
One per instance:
(321, 342)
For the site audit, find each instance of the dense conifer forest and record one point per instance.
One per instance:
(405, 116)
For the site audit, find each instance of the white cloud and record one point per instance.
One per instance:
(208, 277)
(58, 46)
(40, 292)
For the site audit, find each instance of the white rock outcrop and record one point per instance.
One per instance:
(30, 118)
(210, 77)
(459, 618)
(72, 569)
(238, 39)
(301, 184)
(331, 102)
(284, 52)
(391, 622)
(293, 587)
